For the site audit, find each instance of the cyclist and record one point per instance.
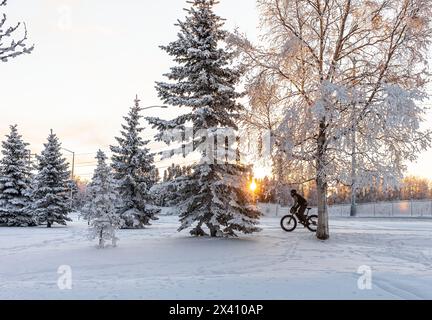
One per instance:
(300, 206)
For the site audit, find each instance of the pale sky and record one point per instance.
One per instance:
(91, 58)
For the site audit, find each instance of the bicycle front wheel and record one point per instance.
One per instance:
(289, 223)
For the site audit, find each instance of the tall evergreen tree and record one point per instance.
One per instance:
(203, 82)
(50, 188)
(101, 207)
(133, 166)
(15, 181)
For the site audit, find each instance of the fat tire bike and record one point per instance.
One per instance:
(290, 222)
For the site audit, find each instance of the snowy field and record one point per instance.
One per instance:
(159, 263)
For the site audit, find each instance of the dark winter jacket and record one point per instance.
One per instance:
(299, 201)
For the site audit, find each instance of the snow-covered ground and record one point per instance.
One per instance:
(159, 263)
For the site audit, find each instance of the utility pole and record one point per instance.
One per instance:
(72, 175)
(353, 212)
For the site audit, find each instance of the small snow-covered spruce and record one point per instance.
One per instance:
(203, 81)
(101, 207)
(134, 172)
(15, 179)
(13, 47)
(50, 191)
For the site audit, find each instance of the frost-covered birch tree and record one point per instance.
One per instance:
(262, 115)
(133, 168)
(12, 43)
(101, 206)
(15, 179)
(203, 82)
(354, 74)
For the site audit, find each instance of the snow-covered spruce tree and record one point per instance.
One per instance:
(11, 45)
(15, 179)
(203, 81)
(50, 192)
(101, 207)
(133, 167)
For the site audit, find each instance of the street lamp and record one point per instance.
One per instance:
(73, 161)
(154, 107)
(137, 101)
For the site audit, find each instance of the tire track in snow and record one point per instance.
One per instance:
(397, 290)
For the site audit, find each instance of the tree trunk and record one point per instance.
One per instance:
(353, 211)
(213, 230)
(323, 226)
(323, 232)
(101, 239)
(48, 224)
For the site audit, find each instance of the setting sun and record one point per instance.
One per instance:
(253, 186)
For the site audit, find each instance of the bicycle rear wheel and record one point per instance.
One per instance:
(313, 223)
(289, 223)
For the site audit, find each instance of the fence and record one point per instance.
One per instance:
(415, 209)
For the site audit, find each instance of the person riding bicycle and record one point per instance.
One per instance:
(300, 206)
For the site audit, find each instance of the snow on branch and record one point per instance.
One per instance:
(10, 47)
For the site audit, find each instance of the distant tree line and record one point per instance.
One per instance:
(411, 188)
